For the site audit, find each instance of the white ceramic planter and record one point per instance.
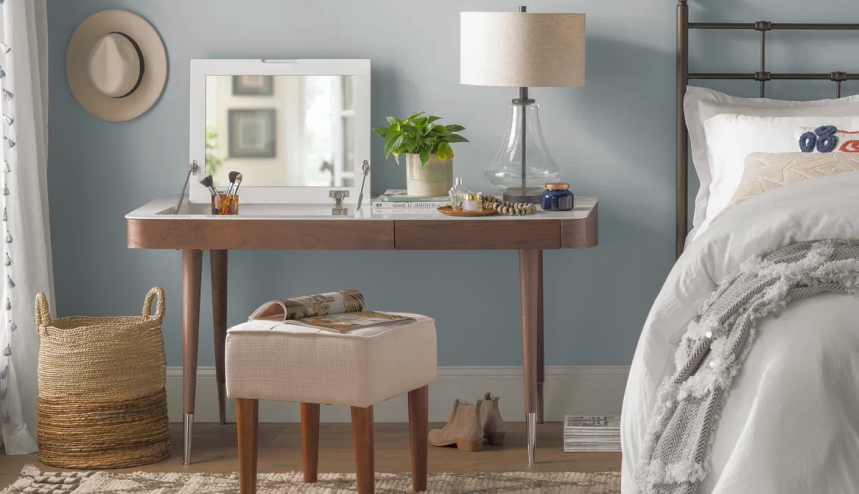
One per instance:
(435, 178)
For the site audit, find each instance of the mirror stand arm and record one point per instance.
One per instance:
(365, 168)
(192, 170)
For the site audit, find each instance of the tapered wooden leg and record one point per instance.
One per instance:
(362, 438)
(529, 262)
(247, 426)
(541, 346)
(192, 265)
(310, 441)
(418, 425)
(218, 260)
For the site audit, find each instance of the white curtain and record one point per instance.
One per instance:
(27, 257)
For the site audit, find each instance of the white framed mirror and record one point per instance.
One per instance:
(294, 129)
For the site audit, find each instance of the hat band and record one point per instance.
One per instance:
(139, 57)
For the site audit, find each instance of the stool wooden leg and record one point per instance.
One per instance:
(418, 425)
(247, 425)
(362, 438)
(310, 441)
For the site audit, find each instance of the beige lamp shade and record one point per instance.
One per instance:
(522, 49)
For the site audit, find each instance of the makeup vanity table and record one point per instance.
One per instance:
(313, 227)
(299, 131)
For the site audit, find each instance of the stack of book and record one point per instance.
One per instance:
(591, 433)
(396, 201)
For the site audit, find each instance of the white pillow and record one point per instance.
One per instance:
(731, 138)
(701, 104)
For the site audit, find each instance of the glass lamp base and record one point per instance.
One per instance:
(523, 164)
(531, 195)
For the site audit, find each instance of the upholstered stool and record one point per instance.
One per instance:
(359, 368)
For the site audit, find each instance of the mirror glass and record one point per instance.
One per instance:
(281, 130)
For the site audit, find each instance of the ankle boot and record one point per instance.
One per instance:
(490, 420)
(463, 428)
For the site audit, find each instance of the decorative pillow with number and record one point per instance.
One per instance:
(701, 104)
(767, 171)
(730, 138)
(827, 139)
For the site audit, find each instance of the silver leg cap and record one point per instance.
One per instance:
(531, 431)
(188, 423)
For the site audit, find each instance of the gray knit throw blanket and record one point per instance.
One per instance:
(676, 453)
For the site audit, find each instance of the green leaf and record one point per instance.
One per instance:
(444, 152)
(454, 128)
(432, 119)
(425, 156)
(440, 130)
(397, 144)
(392, 120)
(454, 138)
(381, 131)
(415, 115)
(390, 141)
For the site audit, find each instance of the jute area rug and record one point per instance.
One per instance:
(36, 482)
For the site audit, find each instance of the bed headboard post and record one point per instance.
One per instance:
(682, 143)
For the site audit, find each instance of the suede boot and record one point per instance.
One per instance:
(490, 419)
(462, 429)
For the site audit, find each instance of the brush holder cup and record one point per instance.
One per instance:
(225, 205)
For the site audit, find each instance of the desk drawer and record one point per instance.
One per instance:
(477, 234)
(220, 234)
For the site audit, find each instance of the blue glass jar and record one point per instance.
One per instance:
(557, 197)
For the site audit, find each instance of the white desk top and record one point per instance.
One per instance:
(162, 209)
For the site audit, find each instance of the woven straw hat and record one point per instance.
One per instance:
(116, 65)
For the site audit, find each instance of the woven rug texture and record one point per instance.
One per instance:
(33, 481)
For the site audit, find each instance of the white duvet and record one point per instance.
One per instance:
(791, 422)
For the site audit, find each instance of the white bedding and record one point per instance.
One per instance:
(791, 423)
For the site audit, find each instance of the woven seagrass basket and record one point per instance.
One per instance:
(102, 402)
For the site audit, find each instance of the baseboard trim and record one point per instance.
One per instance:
(577, 389)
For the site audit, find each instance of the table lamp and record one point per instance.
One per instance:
(518, 49)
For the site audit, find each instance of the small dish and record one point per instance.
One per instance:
(449, 211)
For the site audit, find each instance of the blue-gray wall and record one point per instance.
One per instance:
(613, 137)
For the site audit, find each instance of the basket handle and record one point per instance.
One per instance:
(147, 304)
(43, 313)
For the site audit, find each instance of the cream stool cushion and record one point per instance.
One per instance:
(269, 360)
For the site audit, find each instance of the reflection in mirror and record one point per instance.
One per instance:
(289, 130)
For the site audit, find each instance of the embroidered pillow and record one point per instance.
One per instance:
(768, 171)
(828, 138)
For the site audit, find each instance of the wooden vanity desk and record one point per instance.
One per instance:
(288, 227)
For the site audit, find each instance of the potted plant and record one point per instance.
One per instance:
(426, 144)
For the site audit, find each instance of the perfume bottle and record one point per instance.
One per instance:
(456, 194)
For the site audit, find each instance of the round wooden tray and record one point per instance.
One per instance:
(449, 211)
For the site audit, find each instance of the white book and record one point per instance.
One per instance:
(404, 212)
(409, 205)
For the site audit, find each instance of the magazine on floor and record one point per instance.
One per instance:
(591, 433)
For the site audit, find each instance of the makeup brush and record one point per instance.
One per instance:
(238, 184)
(233, 176)
(208, 183)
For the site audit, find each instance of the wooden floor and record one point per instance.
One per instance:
(215, 451)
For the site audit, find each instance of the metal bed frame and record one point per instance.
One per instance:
(762, 76)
